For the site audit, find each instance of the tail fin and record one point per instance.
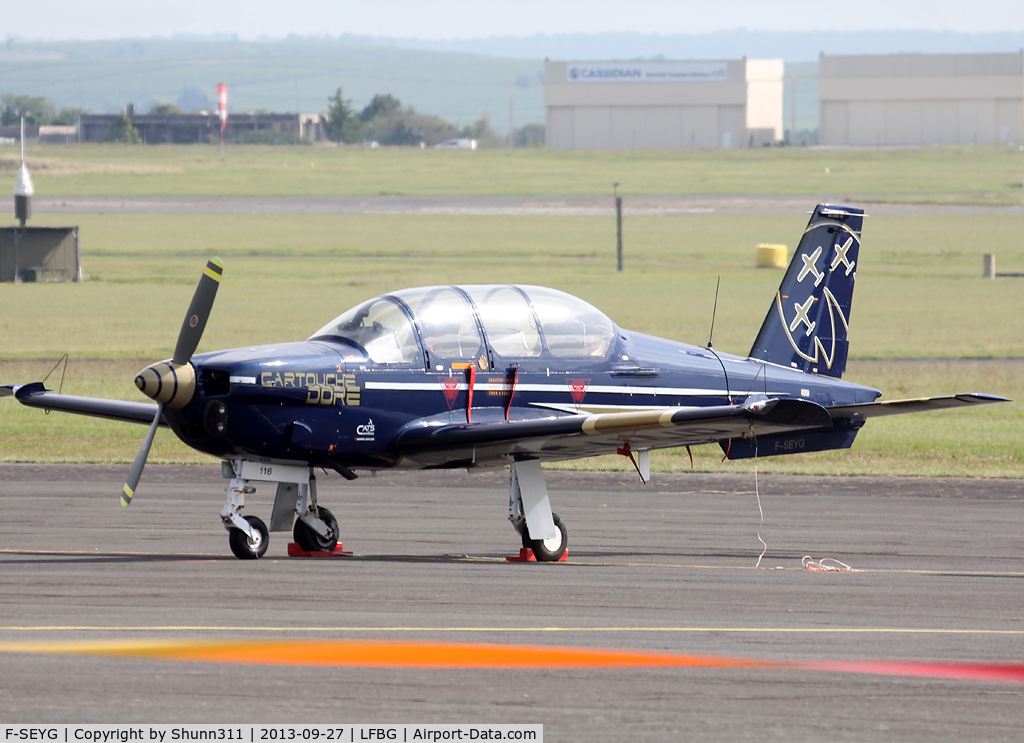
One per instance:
(807, 324)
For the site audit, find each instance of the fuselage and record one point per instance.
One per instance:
(328, 401)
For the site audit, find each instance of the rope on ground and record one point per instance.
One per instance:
(825, 565)
(764, 545)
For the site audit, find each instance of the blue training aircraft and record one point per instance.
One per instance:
(500, 375)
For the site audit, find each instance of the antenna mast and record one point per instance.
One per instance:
(714, 312)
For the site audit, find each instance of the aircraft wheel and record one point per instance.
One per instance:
(524, 535)
(245, 548)
(549, 550)
(309, 540)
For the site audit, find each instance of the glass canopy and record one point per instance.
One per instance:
(379, 327)
(518, 321)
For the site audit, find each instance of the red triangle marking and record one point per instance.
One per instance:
(450, 387)
(578, 390)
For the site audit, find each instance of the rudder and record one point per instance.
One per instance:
(807, 325)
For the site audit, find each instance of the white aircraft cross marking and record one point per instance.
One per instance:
(841, 256)
(801, 315)
(809, 267)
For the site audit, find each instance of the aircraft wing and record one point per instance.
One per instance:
(35, 395)
(913, 405)
(574, 436)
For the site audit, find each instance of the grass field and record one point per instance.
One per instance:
(921, 308)
(920, 293)
(949, 174)
(917, 302)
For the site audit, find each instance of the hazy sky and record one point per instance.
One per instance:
(463, 19)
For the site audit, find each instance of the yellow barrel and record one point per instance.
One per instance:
(771, 256)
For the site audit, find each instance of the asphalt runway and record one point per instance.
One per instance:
(666, 568)
(480, 205)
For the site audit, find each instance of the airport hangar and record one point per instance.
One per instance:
(663, 104)
(921, 99)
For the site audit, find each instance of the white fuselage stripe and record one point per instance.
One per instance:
(597, 410)
(559, 388)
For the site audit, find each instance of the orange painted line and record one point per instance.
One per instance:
(374, 654)
(346, 653)
(450, 655)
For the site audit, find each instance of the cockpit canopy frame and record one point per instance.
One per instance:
(434, 324)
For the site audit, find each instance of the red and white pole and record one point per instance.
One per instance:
(222, 111)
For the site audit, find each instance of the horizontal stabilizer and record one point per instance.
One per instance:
(913, 405)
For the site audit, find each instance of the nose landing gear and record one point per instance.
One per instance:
(315, 529)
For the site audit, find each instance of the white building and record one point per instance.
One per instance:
(663, 104)
(918, 99)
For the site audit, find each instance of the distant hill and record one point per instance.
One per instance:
(278, 76)
(458, 80)
(797, 46)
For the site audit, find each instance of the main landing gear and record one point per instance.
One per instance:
(315, 529)
(529, 510)
(312, 541)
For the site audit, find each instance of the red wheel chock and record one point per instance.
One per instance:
(526, 555)
(295, 550)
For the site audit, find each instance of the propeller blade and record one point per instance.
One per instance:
(140, 461)
(188, 340)
(198, 312)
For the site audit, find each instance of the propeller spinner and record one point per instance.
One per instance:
(173, 382)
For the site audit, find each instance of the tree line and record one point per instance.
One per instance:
(38, 111)
(383, 120)
(386, 121)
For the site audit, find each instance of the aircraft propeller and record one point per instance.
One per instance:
(172, 383)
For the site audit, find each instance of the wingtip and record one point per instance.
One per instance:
(981, 397)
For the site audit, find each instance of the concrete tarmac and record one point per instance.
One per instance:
(669, 567)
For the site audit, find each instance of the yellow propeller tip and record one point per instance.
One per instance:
(214, 269)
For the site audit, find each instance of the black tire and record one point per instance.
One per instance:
(243, 547)
(550, 550)
(524, 535)
(309, 540)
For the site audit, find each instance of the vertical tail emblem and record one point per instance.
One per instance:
(807, 326)
(811, 306)
(821, 355)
